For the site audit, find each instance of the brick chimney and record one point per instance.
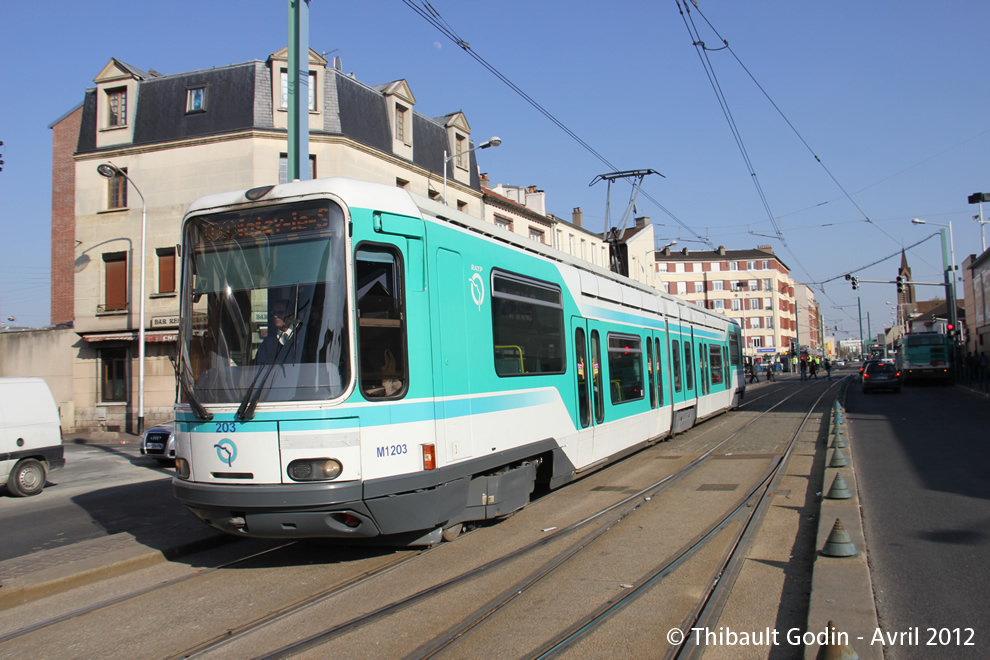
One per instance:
(765, 248)
(577, 218)
(484, 180)
(721, 250)
(642, 221)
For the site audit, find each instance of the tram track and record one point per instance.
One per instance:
(620, 511)
(601, 522)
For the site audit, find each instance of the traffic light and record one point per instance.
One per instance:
(900, 284)
(855, 282)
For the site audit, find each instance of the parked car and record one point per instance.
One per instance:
(881, 375)
(30, 435)
(159, 442)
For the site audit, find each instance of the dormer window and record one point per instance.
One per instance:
(312, 90)
(117, 107)
(460, 147)
(400, 122)
(196, 99)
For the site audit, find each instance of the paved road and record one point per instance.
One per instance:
(103, 490)
(923, 461)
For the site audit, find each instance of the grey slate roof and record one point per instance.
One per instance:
(239, 97)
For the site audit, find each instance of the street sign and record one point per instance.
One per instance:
(766, 350)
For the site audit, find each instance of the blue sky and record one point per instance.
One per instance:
(891, 96)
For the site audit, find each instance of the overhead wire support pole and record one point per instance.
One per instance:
(298, 92)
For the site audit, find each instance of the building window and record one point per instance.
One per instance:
(755, 322)
(736, 305)
(400, 123)
(766, 265)
(312, 90)
(113, 374)
(504, 223)
(770, 322)
(166, 270)
(283, 167)
(460, 148)
(755, 303)
(117, 107)
(766, 285)
(718, 285)
(733, 265)
(750, 265)
(718, 304)
(463, 208)
(661, 267)
(117, 191)
(754, 285)
(196, 99)
(536, 235)
(401, 183)
(115, 286)
(681, 288)
(699, 287)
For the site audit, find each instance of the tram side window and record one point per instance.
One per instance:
(649, 371)
(734, 349)
(581, 356)
(596, 378)
(527, 325)
(715, 356)
(625, 367)
(381, 323)
(725, 361)
(703, 373)
(659, 372)
(688, 366)
(675, 363)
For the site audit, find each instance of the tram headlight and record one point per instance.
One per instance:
(182, 468)
(314, 469)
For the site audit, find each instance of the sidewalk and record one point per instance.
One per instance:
(174, 535)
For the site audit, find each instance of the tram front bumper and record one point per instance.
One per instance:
(323, 510)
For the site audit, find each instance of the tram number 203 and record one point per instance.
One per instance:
(391, 450)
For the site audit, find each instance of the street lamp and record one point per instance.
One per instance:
(493, 142)
(976, 198)
(109, 170)
(950, 271)
(950, 283)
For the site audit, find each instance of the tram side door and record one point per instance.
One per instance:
(454, 419)
(589, 401)
(679, 392)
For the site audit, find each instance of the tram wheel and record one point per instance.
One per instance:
(452, 532)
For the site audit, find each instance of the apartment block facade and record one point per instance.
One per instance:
(751, 286)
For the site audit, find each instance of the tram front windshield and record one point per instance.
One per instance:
(264, 305)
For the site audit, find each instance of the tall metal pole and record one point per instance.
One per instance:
(298, 74)
(859, 305)
(869, 329)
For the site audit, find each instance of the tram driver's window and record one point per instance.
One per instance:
(384, 367)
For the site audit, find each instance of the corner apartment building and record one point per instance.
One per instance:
(179, 137)
(751, 286)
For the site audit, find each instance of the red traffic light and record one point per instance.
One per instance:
(950, 327)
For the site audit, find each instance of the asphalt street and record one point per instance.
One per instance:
(923, 462)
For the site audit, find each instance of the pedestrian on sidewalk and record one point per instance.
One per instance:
(828, 369)
(753, 378)
(813, 369)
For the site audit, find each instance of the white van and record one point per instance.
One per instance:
(30, 435)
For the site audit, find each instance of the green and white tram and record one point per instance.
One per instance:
(358, 362)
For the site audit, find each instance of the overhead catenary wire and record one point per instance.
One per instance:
(433, 17)
(846, 194)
